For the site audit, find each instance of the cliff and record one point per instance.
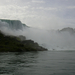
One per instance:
(17, 44)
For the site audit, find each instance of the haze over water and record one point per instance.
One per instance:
(50, 39)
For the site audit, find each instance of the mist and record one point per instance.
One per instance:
(50, 39)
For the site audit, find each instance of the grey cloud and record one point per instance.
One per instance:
(42, 14)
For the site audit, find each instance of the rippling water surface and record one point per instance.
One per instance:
(38, 63)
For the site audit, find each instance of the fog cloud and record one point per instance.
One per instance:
(50, 39)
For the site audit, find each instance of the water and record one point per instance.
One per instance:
(38, 63)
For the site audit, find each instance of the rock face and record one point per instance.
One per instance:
(22, 38)
(13, 24)
(31, 44)
(14, 44)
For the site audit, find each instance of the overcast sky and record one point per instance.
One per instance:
(44, 14)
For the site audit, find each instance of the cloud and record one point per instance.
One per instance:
(33, 17)
(71, 7)
(44, 14)
(47, 8)
(13, 11)
(38, 1)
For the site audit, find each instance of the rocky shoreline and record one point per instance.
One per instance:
(16, 44)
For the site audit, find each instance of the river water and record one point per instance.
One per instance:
(38, 63)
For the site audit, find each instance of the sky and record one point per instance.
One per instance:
(43, 14)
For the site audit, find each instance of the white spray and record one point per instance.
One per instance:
(50, 39)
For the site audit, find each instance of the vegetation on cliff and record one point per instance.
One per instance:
(16, 44)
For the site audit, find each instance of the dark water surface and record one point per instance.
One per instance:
(38, 63)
